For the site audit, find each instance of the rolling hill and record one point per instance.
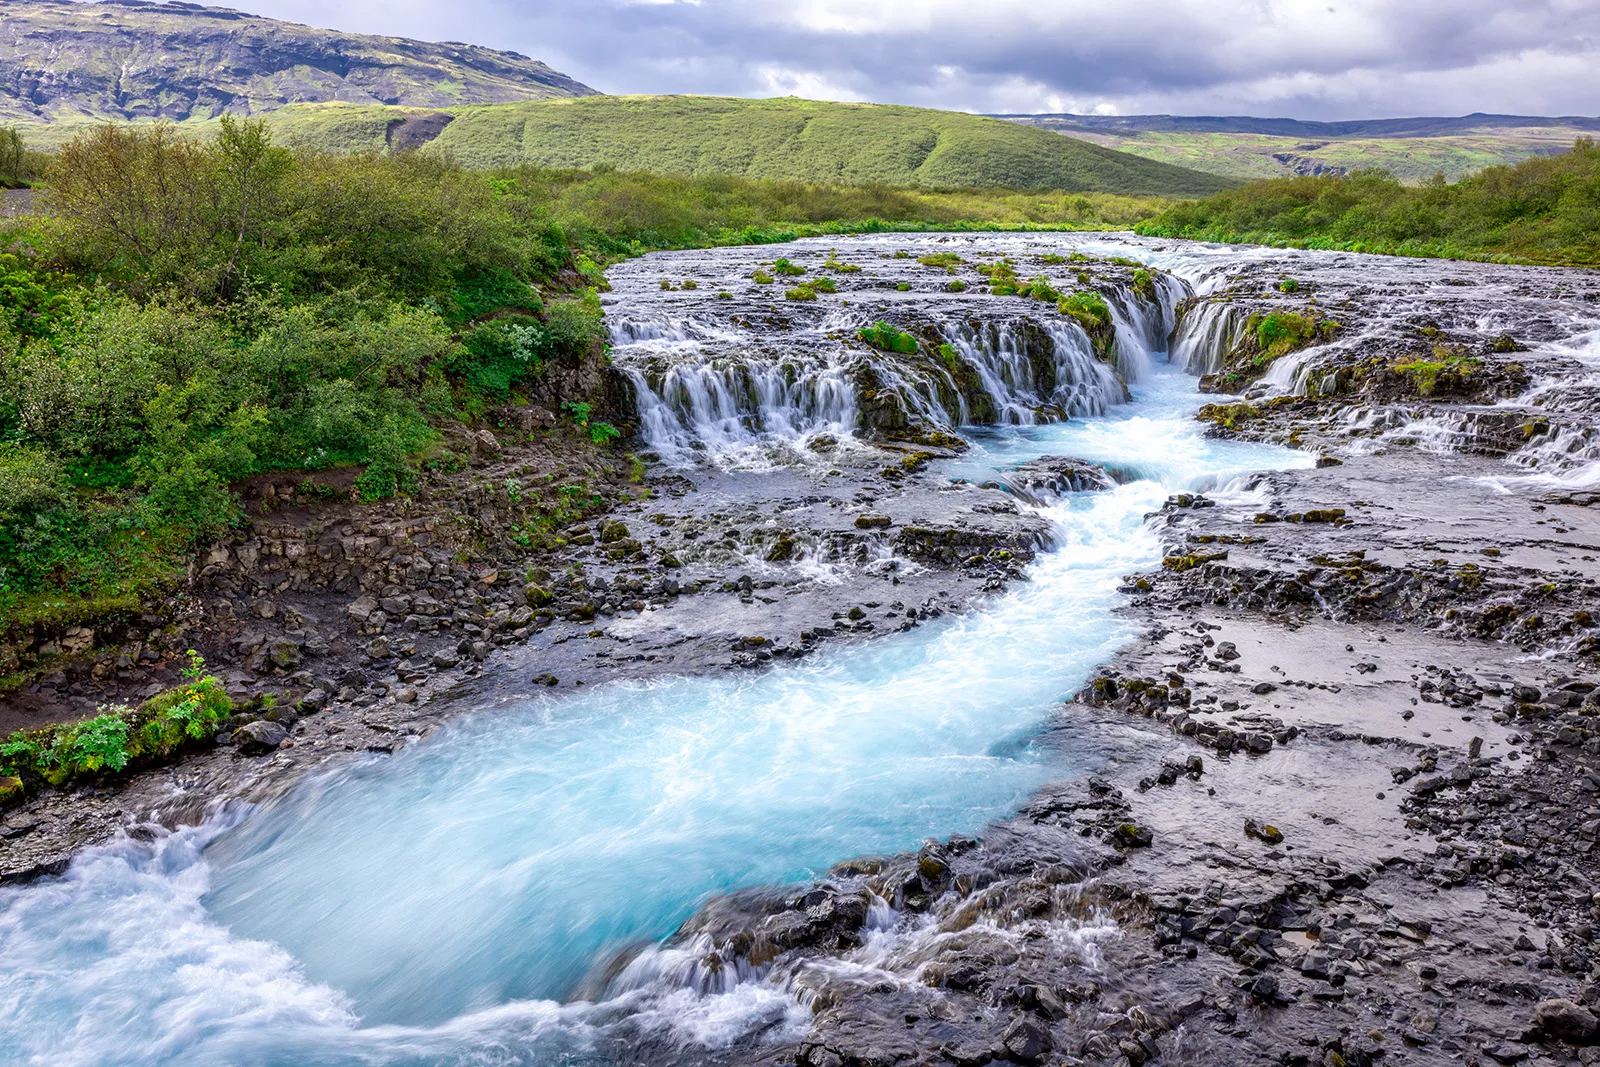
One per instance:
(809, 140)
(118, 60)
(1412, 149)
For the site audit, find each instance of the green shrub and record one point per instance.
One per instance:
(1280, 333)
(1143, 284)
(883, 336)
(903, 287)
(1039, 289)
(802, 292)
(784, 267)
(823, 285)
(1288, 285)
(1088, 307)
(950, 357)
(603, 433)
(761, 277)
(956, 285)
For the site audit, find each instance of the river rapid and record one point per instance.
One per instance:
(506, 891)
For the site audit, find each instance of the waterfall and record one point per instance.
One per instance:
(708, 388)
(1205, 335)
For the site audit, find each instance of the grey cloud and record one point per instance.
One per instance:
(1360, 59)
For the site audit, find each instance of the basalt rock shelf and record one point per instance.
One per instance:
(970, 690)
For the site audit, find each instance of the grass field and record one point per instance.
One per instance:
(787, 138)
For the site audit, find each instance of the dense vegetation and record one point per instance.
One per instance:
(814, 141)
(1542, 210)
(188, 315)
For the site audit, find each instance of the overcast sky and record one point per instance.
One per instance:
(1345, 59)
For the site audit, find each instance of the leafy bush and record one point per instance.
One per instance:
(784, 267)
(802, 292)
(1039, 289)
(18, 166)
(883, 336)
(956, 285)
(1143, 284)
(761, 277)
(1280, 333)
(1088, 307)
(823, 285)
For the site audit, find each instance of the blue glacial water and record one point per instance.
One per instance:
(441, 905)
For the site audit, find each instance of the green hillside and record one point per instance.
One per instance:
(1252, 148)
(805, 140)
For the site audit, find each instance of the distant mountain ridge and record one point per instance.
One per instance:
(1240, 146)
(1363, 128)
(64, 61)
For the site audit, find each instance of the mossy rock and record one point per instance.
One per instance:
(612, 532)
(10, 789)
(538, 597)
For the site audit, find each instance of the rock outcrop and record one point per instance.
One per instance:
(123, 59)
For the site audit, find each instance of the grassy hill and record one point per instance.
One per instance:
(806, 140)
(800, 140)
(118, 60)
(1413, 150)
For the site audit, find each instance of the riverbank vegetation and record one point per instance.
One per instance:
(1542, 210)
(118, 737)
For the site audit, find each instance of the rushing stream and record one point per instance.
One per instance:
(460, 901)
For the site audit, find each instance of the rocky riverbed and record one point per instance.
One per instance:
(1335, 803)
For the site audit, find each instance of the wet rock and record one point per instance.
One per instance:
(1129, 835)
(1566, 1021)
(1026, 1040)
(1226, 651)
(1263, 831)
(259, 737)
(545, 678)
(873, 522)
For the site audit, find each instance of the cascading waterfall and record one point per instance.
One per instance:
(1205, 335)
(714, 391)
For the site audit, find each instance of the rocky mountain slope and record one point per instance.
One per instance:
(125, 59)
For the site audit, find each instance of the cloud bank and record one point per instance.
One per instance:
(1315, 60)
